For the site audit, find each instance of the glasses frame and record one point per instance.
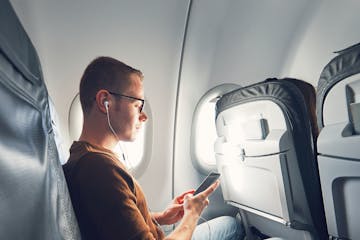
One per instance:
(130, 97)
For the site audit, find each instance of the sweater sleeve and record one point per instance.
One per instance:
(108, 201)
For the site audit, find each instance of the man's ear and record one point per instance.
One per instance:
(102, 96)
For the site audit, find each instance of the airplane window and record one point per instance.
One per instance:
(203, 130)
(134, 152)
(207, 132)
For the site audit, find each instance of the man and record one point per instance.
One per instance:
(107, 200)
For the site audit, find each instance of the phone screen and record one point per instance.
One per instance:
(210, 179)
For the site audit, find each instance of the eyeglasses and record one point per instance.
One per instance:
(130, 97)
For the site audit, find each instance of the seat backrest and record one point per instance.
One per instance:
(338, 112)
(34, 200)
(265, 152)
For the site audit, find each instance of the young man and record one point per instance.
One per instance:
(107, 200)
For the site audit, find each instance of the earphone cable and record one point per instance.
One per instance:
(113, 131)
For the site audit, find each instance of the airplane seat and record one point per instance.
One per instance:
(338, 112)
(265, 153)
(274, 238)
(59, 140)
(34, 200)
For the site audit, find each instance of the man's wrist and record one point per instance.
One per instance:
(186, 227)
(158, 216)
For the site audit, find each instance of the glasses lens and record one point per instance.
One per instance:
(133, 98)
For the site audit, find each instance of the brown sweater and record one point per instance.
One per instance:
(107, 200)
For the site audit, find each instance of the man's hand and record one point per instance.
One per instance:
(174, 212)
(180, 199)
(191, 209)
(196, 204)
(185, 202)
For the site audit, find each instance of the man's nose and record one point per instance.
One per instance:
(143, 117)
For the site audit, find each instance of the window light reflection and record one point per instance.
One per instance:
(207, 133)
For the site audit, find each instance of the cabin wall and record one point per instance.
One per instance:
(333, 27)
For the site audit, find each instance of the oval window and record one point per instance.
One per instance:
(203, 130)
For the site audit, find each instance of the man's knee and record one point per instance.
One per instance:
(235, 229)
(225, 228)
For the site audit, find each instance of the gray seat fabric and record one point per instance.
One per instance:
(275, 238)
(338, 112)
(265, 151)
(34, 200)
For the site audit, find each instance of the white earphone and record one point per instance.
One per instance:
(106, 104)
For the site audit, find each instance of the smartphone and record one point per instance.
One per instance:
(210, 179)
